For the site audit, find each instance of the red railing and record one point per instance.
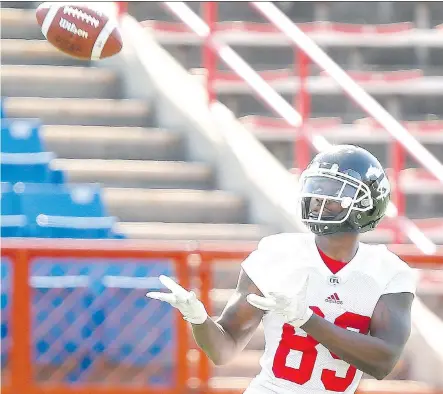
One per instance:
(190, 263)
(22, 253)
(402, 138)
(301, 101)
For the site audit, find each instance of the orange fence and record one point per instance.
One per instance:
(193, 263)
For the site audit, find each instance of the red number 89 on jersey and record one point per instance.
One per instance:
(307, 347)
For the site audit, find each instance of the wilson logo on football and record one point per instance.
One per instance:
(72, 28)
(334, 299)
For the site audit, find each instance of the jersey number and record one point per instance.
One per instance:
(307, 346)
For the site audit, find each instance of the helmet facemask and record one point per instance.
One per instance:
(330, 200)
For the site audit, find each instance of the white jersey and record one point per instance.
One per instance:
(294, 362)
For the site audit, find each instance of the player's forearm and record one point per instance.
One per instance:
(369, 354)
(218, 345)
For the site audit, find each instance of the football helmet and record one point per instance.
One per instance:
(344, 189)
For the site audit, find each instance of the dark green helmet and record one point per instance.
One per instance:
(353, 178)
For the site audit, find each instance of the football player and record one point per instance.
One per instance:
(332, 307)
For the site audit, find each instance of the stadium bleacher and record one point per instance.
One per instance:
(36, 201)
(99, 136)
(392, 49)
(22, 156)
(88, 133)
(96, 306)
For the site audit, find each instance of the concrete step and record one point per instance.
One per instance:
(59, 81)
(20, 23)
(195, 231)
(411, 106)
(117, 143)
(19, 4)
(153, 10)
(89, 112)
(284, 149)
(33, 52)
(175, 206)
(137, 173)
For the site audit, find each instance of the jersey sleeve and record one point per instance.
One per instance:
(404, 278)
(259, 265)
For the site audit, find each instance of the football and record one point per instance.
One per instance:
(79, 31)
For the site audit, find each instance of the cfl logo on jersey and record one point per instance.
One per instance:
(334, 280)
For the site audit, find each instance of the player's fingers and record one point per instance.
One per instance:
(265, 304)
(173, 286)
(166, 297)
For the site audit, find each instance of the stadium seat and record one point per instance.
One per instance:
(21, 136)
(5, 273)
(13, 222)
(23, 157)
(65, 211)
(23, 171)
(2, 111)
(125, 288)
(62, 316)
(101, 314)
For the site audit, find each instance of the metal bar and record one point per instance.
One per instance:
(355, 91)
(397, 164)
(21, 362)
(209, 56)
(303, 104)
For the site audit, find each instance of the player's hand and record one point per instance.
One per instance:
(294, 309)
(185, 301)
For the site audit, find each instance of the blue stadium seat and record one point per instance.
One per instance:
(21, 136)
(23, 157)
(126, 303)
(5, 272)
(64, 328)
(87, 310)
(22, 170)
(2, 108)
(65, 211)
(13, 222)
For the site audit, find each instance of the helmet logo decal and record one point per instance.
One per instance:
(374, 171)
(383, 187)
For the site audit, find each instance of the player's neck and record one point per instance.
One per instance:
(341, 247)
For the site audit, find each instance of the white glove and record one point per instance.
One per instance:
(294, 309)
(185, 301)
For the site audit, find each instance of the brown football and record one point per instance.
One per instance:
(79, 31)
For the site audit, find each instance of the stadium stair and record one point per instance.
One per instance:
(368, 40)
(99, 136)
(374, 62)
(114, 141)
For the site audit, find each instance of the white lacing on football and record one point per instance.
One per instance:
(79, 14)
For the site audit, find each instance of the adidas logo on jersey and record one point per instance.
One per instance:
(334, 299)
